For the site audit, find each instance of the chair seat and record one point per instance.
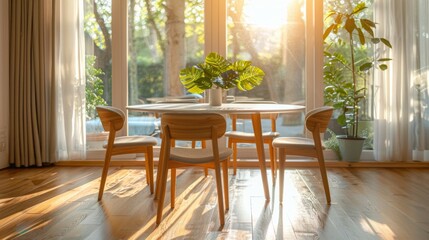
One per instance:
(205, 155)
(250, 136)
(284, 142)
(133, 141)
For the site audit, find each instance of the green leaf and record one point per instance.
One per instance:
(366, 66)
(240, 65)
(350, 25)
(383, 66)
(226, 79)
(330, 14)
(361, 36)
(338, 18)
(375, 40)
(342, 120)
(359, 8)
(251, 77)
(216, 64)
(384, 59)
(367, 26)
(368, 22)
(329, 88)
(386, 42)
(191, 78)
(328, 31)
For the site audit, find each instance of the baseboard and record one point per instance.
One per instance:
(248, 163)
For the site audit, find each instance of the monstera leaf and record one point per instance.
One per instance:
(219, 72)
(249, 76)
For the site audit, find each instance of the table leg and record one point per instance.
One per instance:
(257, 129)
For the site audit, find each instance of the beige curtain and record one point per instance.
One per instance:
(30, 83)
(47, 82)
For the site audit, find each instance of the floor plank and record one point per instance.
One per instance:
(367, 203)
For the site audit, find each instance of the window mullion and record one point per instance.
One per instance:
(120, 56)
(215, 26)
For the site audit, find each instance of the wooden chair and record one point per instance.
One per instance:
(188, 127)
(113, 120)
(316, 121)
(182, 99)
(235, 136)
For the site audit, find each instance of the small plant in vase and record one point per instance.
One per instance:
(218, 73)
(346, 68)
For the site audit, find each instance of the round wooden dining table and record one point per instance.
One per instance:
(228, 108)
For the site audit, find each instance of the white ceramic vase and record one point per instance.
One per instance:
(215, 98)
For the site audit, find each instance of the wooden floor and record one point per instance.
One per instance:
(61, 202)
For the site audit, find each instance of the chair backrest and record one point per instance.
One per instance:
(318, 118)
(271, 116)
(111, 117)
(188, 127)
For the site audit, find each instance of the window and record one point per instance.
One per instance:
(98, 61)
(270, 34)
(161, 41)
(131, 41)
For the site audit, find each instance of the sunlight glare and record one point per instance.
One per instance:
(266, 14)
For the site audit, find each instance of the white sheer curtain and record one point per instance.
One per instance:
(69, 64)
(401, 115)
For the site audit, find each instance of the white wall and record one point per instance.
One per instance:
(4, 83)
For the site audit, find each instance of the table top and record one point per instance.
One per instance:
(173, 100)
(223, 109)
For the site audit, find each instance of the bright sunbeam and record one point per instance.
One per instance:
(266, 14)
(370, 226)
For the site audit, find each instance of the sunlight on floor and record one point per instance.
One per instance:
(378, 228)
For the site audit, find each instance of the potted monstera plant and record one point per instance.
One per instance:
(217, 74)
(347, 63)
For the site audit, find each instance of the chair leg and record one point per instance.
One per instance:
(203, 145)
(158, 181)
(158, 174)
(282, 160)
(219, 194)
(163, 180)
(225, 183)
(149, 167)
(173, 187)
(272, 161)
(324, 177)
(104, 174)
(146, 166)
(234, 157)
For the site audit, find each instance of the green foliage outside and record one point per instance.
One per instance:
(94, 87)
(150, 79)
